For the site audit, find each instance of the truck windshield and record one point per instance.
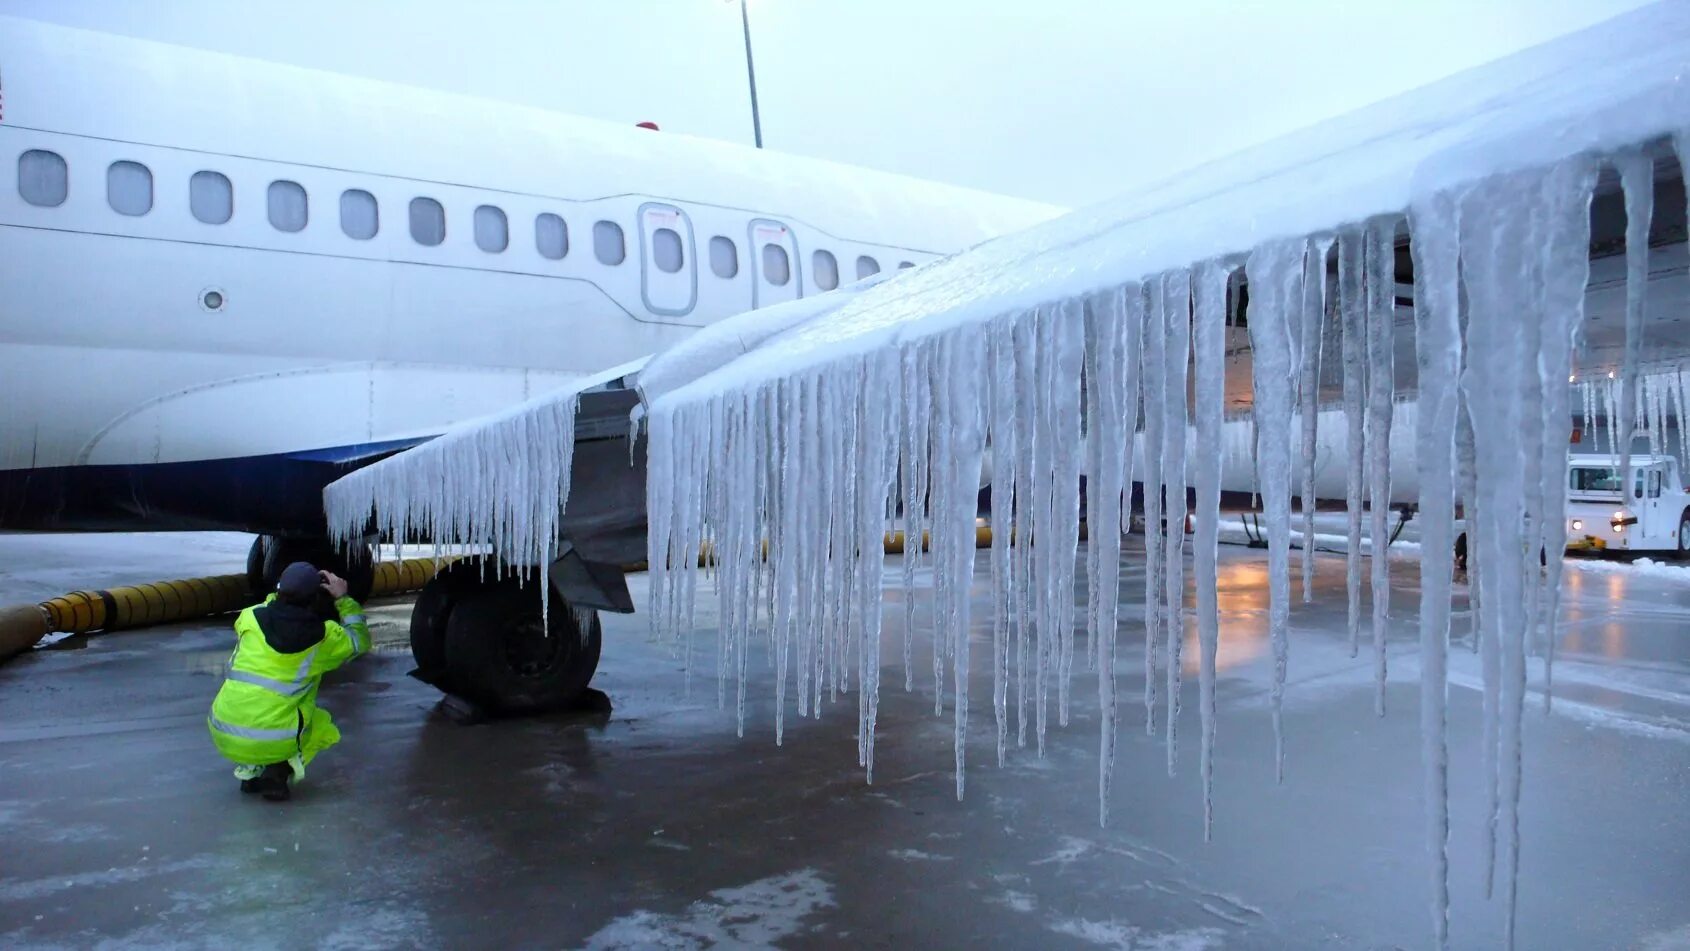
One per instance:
(1602, 480)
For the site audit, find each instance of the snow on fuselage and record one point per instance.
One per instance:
(223, 280)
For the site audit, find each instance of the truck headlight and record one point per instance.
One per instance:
(1578, 525)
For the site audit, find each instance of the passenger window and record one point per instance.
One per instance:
(211, 198)
(777, 267)
(492, 230)
(867, 266)
(824, 267)
(428, 221)
(1654, 483)
(287, 206)
(608, 244)
(905, 264)
(43, 179)
(360, 218)
(666, 250)
(724, 257)
(129, 188)
(551, 236)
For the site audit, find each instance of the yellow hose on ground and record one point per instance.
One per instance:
(164, 601)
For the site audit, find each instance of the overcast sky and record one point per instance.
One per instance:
(1069, 101)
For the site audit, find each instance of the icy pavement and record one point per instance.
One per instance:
(38, 566)
(659, 828)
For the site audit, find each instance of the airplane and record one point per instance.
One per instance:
(225, 282)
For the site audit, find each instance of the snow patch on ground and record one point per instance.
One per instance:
(1666, 571)
(82, 881)
(1016, 901)
(1072, 849)
(754, 915)
(916, 855)
(1678, 939)
(1114, 934)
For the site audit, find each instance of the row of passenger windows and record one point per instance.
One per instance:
(44, 180)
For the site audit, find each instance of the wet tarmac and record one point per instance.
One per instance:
(655, 826)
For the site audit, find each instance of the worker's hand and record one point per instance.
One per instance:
(334, 584)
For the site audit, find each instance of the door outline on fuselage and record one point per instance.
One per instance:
(651, 216)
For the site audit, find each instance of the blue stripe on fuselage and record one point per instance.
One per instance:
(280, 494)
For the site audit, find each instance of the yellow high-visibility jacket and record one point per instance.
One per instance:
(266, 711)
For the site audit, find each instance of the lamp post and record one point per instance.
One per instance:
(751, 74)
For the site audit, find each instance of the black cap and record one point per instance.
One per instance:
(299, 582)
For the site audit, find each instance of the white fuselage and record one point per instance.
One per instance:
(246, 313)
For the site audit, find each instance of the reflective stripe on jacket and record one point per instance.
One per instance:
(265, 709)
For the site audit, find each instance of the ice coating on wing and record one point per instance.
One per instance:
(1176, 312)
(1308, 382)
(1610, 87)
(1637, 178)
(1351, 255)
(1437, 343)
(1381, 376)
(1209, 294)
(500, 481)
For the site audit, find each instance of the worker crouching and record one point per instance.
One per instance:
(265, 718)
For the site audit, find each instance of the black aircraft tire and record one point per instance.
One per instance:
(359, 571)
(430, 613)
(255, 566)
(498, 656)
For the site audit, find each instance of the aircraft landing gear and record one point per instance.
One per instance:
(484, 638)
(270, 554)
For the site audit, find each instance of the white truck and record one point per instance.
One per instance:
(1653, 517)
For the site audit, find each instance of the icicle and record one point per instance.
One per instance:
(1026, 432)
(1111, 423)
(1209, 355)
(959, 441)
(1504, 267)
(1176, 312)
(1351, 304)
(1381, 377)
(1566, 271)
(916, 396)
(1155, 415)
(1637, 178)
(1044, 518)
(1275, 273)
(1068, 337)
(1308, 377)
(1436, 245)
(1003, 448)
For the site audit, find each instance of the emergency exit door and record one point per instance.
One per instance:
(668, 268)
(774, 263)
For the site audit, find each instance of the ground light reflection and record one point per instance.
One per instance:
(1241, 590)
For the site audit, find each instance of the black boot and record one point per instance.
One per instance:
(273, 782)
(251, 785)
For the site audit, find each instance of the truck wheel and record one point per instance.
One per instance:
(1684, 534)
(501, 654)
